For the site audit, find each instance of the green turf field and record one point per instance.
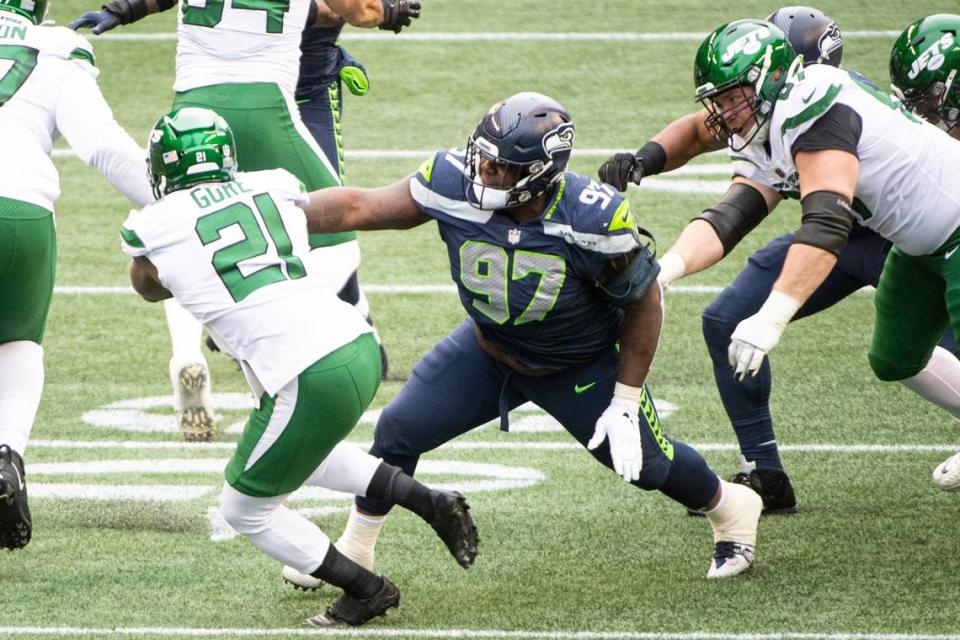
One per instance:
(125, 540)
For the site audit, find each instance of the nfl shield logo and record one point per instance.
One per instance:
(513, 236)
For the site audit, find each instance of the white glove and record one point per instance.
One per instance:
(621, 425)
(755, 336)
(672, 267)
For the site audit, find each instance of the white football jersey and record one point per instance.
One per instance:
(753, 162)
(48, 87)
(220, 41)
(907, 188)
(234, 254)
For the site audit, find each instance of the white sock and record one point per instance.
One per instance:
(736, 514)
(21, 385)
(347, 468)
(185, 334)
(939, 382)
(359, 539)
(280, 533)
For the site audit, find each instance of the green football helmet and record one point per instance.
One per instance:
(743, 54)
(33, 10)
(923, 69)
(187, 147)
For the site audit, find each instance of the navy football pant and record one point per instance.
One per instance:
(747, 402)
(457, 387)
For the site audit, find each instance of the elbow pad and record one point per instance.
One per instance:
(633, 281)
(827, 221)
(740, 210)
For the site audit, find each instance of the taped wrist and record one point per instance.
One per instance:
(653, 157)
(740, 210)
(827, 221)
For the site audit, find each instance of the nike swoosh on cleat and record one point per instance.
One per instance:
(580, 389)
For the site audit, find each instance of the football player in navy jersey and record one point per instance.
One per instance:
(553, 275)
(757, 189)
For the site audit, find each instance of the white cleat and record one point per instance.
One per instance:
(730, 559)
(191, 401)
(735, 536)
(302, 581)
(947, 474)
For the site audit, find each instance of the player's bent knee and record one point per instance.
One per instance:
(247, 514)
(889, 371)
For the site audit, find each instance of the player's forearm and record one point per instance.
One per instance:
(639, 337)
(686, 138)
(804, 269)
(699, 246)
(143, 277)
(359, 13)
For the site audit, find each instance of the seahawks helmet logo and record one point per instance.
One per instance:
(829, 41)
(558, 140)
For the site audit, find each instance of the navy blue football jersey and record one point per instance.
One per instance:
(531, 287)
(320, 60)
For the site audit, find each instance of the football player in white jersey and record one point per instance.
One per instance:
(241, 59)
(756, 189)
(856, 154)
(924, 65)
(48, 88)
(232, 248)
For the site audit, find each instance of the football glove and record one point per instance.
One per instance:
(621, 169)
(755, 336)
(101, 21)
(397, 14)
(353, 74)
(620, 424)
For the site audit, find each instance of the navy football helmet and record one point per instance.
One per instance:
(529, 134)
(812, 34)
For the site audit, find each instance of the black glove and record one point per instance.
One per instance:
(115, 13)
(397, 14)
(621, 169)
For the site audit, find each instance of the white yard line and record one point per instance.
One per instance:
(373, 632)
(502, 36)
(387, 289)
(716, 169)
(509, 444)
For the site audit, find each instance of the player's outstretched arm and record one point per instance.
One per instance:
(146, 282)
(352, 209)
(828, 179)
(117, 12)
(86, 121)
(678, 143)
(714, 233)
(359, 13)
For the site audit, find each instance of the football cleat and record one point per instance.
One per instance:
(302, 581)
(734, 536)
(15, 524)
(349, 611)
(452, 522)
(191, 401)
(774, 488)
(947, 474)
(730, 559)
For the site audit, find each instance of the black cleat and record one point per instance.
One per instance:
(774, 487)
(349, 611)
(15, 525)
(452, 522)
(211, 344)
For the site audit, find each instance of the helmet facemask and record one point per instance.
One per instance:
(931, 103)
(517, 183)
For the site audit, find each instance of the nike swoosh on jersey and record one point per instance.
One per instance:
(950, 253)
(580, 389)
